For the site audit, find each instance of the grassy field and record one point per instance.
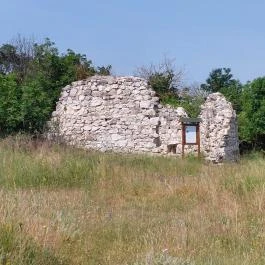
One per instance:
(61, 205)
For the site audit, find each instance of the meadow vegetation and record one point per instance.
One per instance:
(62, 205)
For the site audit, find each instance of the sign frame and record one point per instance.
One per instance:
(185, 123)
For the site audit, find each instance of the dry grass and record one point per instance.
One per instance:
(89, 208)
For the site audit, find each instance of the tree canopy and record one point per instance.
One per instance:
(31, 78)
(218, 78)
(221, 80)
(252, 116)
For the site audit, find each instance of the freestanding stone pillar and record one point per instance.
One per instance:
(219, 132)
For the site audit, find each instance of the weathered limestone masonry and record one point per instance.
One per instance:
(123, 114)
(107, 113)
(219, 133)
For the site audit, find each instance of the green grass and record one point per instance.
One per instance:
(16, 249)
(29, 166)
(61, 205)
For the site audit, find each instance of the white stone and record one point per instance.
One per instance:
(145, 104)
(154, 121)
(95, 102)
(123, 114)
(73, 92)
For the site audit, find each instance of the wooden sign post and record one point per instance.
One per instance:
(190, 133)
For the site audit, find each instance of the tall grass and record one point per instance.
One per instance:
(84, 207)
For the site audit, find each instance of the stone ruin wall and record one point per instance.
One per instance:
(123, 114)
(219, 132)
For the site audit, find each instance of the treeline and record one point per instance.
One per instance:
(31, 78)
(33, 74)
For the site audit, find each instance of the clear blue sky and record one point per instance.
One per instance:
(199, 34)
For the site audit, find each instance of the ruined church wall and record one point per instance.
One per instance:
(108, 113)
(123, 114)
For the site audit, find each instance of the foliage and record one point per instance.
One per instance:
(166, 81)
(31, 78)
(233, 94)
(10, 107)
(221, 80)
(104, 70)
(190, 103)
(17, 57)
(218, 79)
(252, 117)
(8, 59)
(163, 78)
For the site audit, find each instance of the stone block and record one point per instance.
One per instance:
(145, 104)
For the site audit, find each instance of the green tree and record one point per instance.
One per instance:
(221, 80)
(36, 107)
(252, 117)
(233, 94)
(191, 98)
(104, 70)
(166, 81)
(218, 79)
(16, 57)
(163, 78)
(10, 104)
(31, 78)
(8, 58)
